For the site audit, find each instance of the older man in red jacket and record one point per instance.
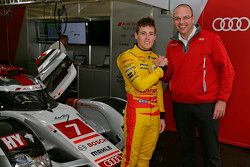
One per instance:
(200, 77)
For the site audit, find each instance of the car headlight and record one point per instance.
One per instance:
(42, 161)
(24, 160)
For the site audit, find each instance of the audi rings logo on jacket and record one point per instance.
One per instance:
(231, 24)
(113, 161)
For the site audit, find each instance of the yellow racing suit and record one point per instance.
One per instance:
(144, 105)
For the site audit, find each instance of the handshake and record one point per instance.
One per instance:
(161, 61)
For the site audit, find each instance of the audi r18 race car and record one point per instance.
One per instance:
(104, 114)
(37, 131)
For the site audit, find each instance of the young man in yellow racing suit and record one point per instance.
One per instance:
(144, 113)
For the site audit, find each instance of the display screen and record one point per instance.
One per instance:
(96, 33)
(99, 33)
(41, 30)
(52, 30)
(76, 32)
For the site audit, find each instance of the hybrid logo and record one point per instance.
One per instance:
(113, 161)
(231, 24)
(14, 141)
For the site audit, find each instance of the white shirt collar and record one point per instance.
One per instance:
(189, 37)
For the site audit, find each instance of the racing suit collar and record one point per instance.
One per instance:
(142, 49)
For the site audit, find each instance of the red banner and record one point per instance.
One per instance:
(11, 21)
(231, 20)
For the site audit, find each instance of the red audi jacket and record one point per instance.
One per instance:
(201, 72)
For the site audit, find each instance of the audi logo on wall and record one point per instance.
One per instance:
(231, 24)
(113, 161)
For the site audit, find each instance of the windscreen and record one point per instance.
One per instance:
(26, 100)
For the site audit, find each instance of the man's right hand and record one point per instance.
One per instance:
(161, 61)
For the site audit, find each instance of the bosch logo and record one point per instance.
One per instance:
(94, 143)
(113, 161)
(231, 24)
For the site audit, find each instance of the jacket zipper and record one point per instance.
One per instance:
(204, 75)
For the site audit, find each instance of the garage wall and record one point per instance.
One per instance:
(124, 17)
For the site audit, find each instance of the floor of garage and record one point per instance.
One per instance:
(168, 154)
